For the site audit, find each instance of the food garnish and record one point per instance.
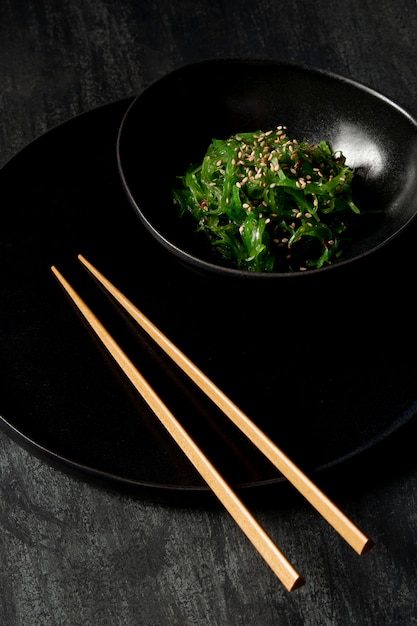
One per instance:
(268, 203)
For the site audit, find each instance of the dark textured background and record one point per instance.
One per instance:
(75, 554)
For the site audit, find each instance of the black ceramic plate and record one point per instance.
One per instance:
(327, 381)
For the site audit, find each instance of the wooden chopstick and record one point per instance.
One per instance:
(280, 565)
(334, 516)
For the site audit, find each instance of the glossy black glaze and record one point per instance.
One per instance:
(157, 143)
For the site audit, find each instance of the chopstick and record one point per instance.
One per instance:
(279, 564)
(311, 492)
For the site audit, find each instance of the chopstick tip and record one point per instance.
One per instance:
(367, 546)
(299, 582)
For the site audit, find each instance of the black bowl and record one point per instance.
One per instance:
(171, 123)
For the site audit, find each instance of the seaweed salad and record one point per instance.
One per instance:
(268, 203)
